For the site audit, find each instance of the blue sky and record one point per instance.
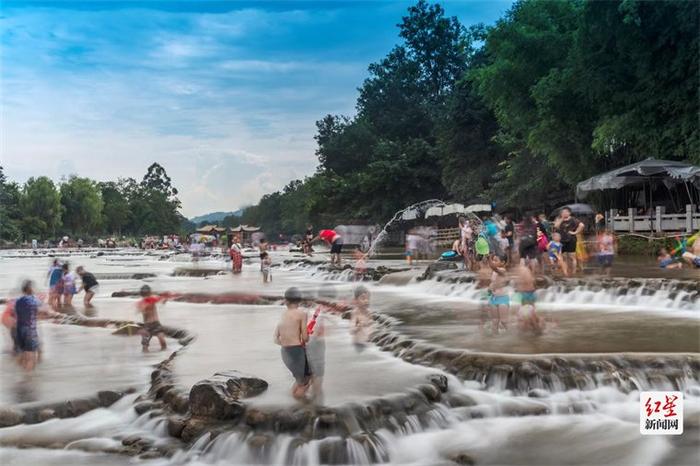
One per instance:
(225, 95)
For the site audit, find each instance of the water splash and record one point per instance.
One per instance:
(421, 207)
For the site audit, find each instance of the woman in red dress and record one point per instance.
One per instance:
(236, 256)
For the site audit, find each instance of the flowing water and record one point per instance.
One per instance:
(489, 419)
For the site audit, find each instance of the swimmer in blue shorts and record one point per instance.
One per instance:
(499, 301)
(528, 321)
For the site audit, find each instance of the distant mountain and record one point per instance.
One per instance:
(214, 217)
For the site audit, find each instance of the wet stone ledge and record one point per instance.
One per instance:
(525, 374)
(368, 274)
(36, 413)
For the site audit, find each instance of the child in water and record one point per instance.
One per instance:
(528, 321)
(292, 335)
(554, 249)
(606, 251)
(361, 319)
(68, 286)
(666, 261)
(266, 267)
(500, 301)
(151, 324)
(360, 266)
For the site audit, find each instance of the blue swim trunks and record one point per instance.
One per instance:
(665, 263)
(502, 300)
(528, 297)
(27, 339)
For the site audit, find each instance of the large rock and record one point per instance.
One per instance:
(437, 266)
(218, 397)
(440, 381)
(244, 385)
(10, 416)
(108, 397)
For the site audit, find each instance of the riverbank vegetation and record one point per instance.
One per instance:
(81, 207)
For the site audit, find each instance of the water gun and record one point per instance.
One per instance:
(682, 244)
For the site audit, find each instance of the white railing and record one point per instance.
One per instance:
(658, 221)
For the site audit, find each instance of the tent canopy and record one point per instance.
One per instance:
(670, 172)
(208, 229)
(244, 228)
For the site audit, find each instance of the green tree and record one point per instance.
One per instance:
(153, 203)
(81, 199)
(10, 214)
(40, 204)
(115, 213)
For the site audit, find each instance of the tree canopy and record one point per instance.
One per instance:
(515, 114)
(81, 207)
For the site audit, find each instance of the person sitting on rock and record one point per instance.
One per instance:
(151, 324)
(292, 335)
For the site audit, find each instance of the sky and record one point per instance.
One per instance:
(224, 95)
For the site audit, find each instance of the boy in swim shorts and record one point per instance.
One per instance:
(500, 301)
(554, 255)
(528, 321)
(292, 335)
(151, 324)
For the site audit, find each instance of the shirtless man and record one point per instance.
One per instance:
(151, 324)
(500, 301)
(291, 334)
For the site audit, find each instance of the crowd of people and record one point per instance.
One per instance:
(21, 314)
(541, 245)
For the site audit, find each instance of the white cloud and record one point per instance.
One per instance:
(105, 94)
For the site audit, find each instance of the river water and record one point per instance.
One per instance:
(596, 423)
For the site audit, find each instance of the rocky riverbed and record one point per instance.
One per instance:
(220, 393)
